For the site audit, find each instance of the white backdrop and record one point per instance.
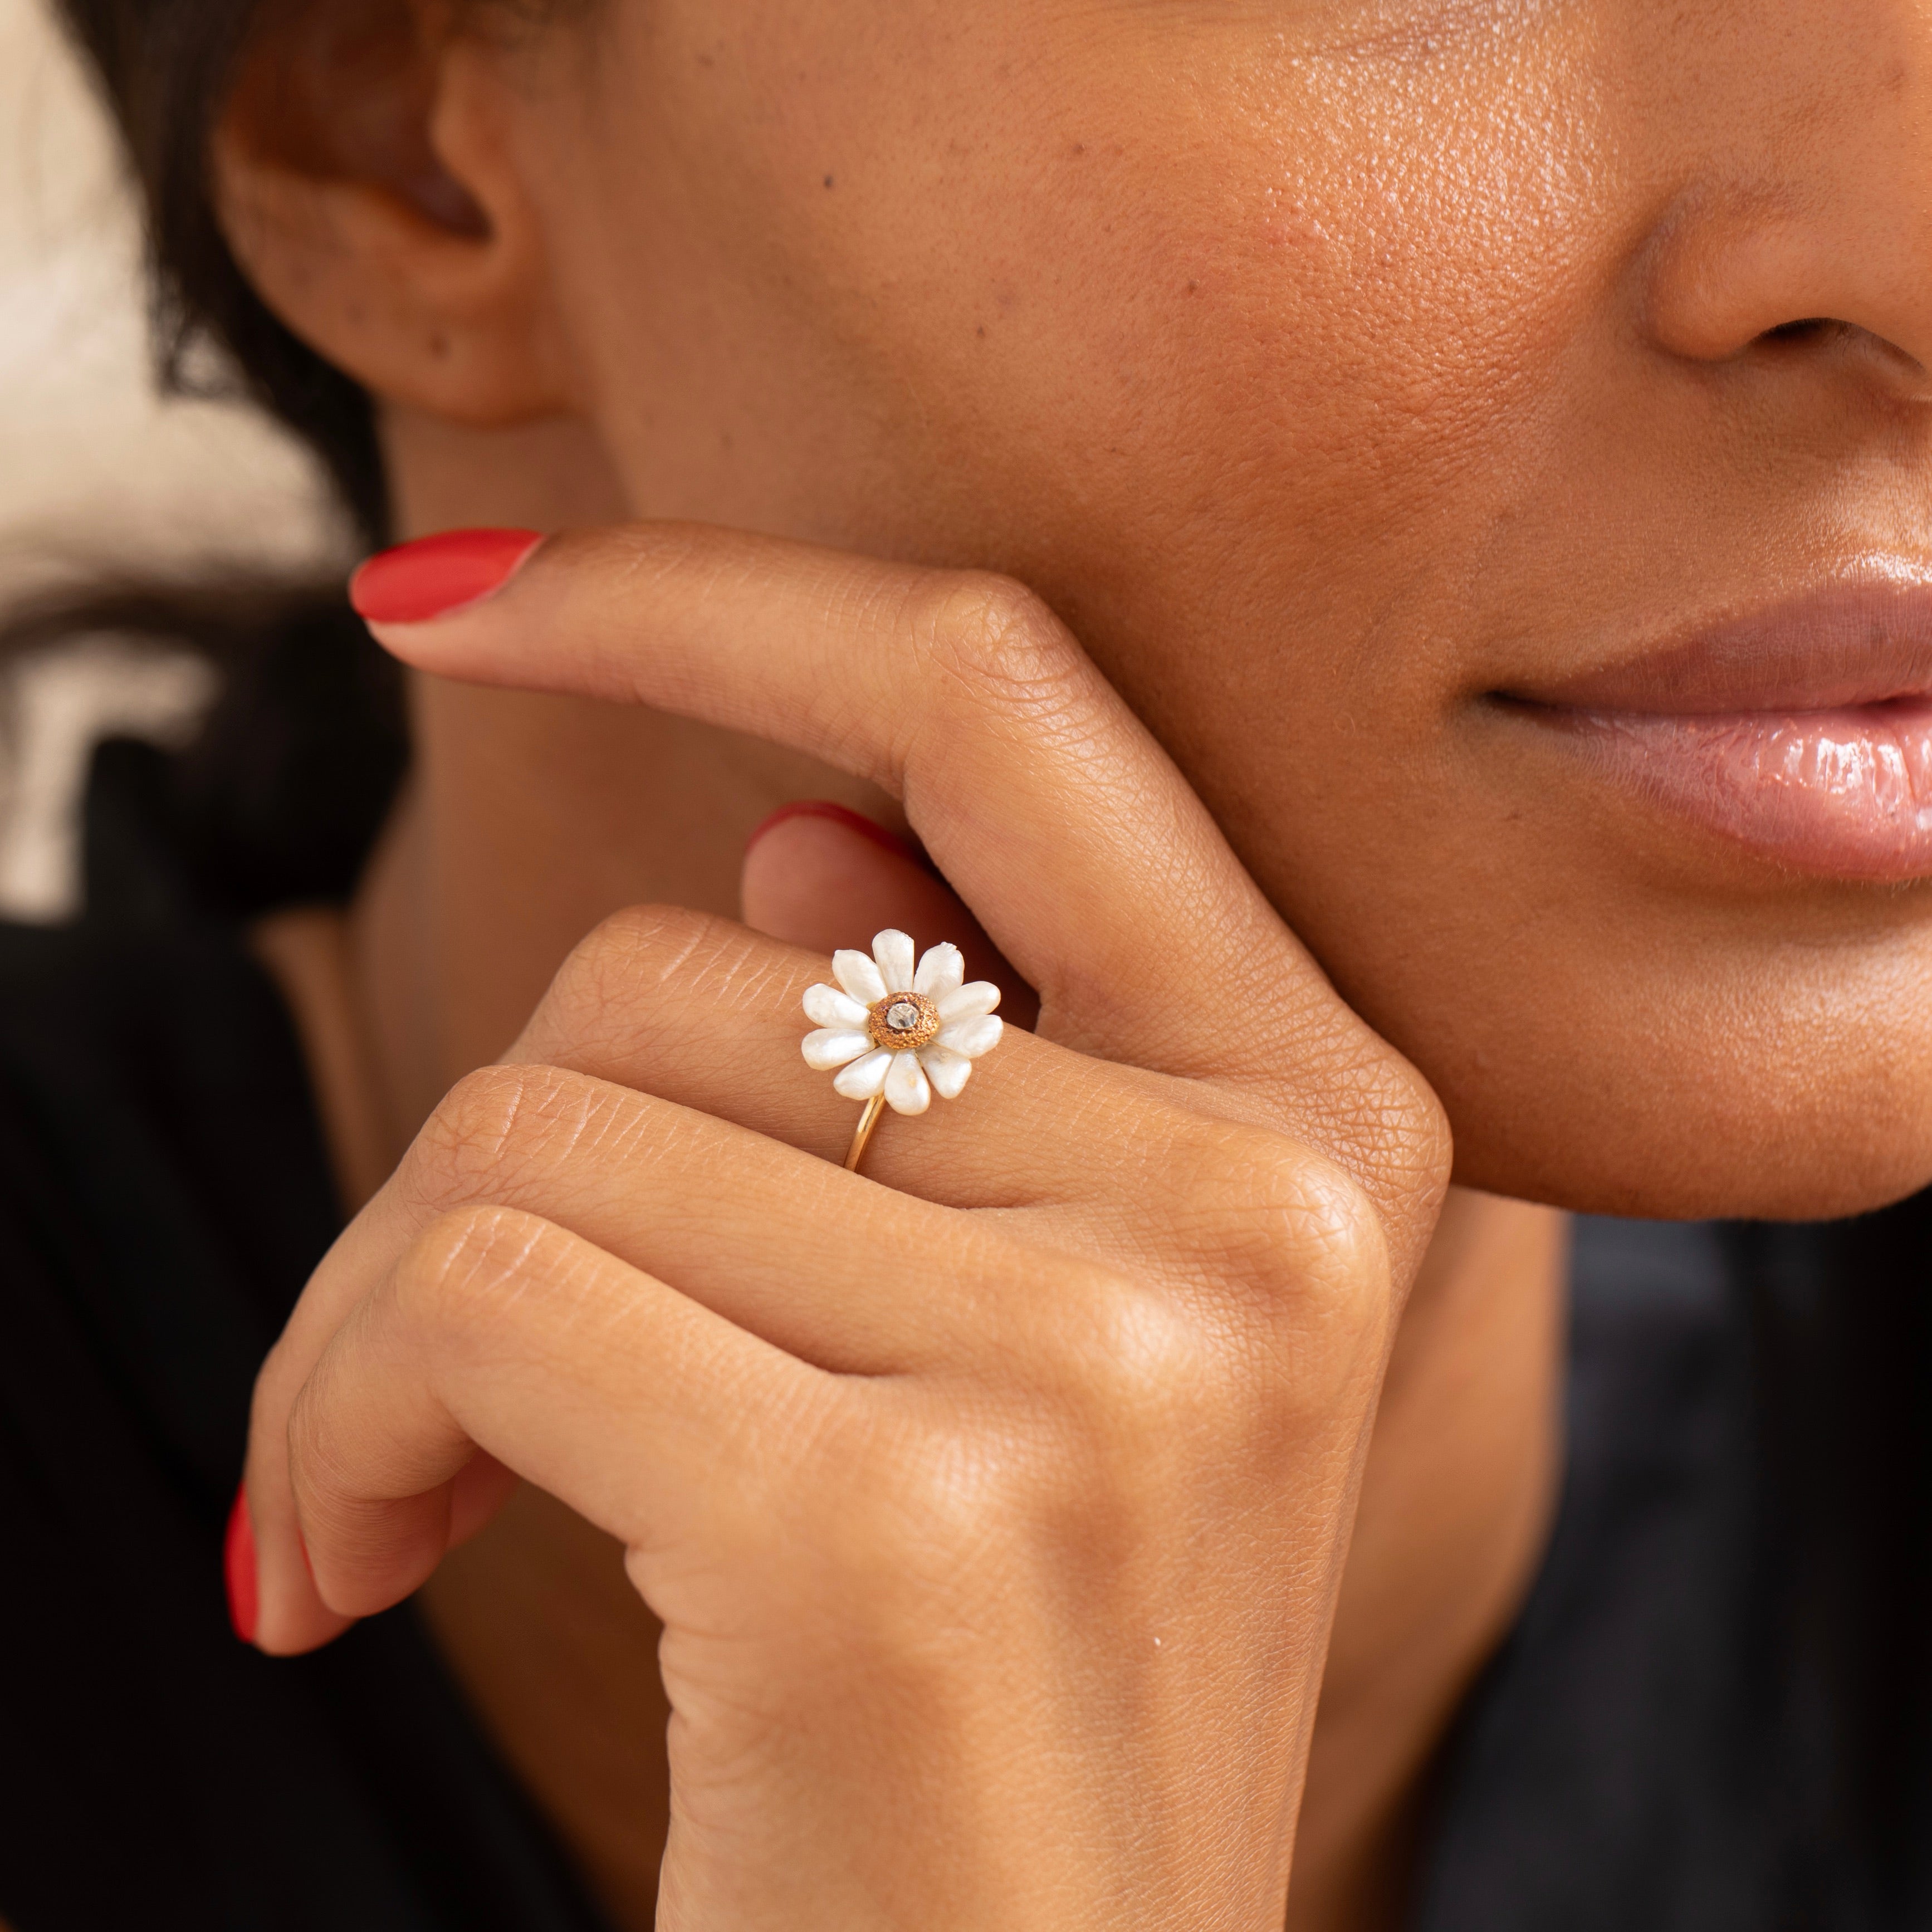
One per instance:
(97, 473)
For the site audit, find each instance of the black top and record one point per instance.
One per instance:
(1643, 1756)
(163, 1195)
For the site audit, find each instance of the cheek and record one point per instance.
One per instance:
(1296, 380)
(1248, 359)
(1072, 278)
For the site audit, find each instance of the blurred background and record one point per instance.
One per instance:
(99, 475)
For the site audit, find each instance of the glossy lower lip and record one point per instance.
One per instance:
(1803, 731)
(1846, 794)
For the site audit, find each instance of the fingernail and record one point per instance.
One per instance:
(839, 814)
(238, 1558)
(435, 575)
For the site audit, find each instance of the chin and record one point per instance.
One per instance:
(1728, 1131)
(1652, 1036)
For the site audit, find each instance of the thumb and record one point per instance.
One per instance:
(818, 875)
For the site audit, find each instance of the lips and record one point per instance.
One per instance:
(1803, 731)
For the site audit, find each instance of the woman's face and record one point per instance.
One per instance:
(1398, 400)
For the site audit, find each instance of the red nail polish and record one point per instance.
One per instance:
(238, 1558)
(435, 575)
(839, 814)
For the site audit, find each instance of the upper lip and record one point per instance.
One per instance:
(1867, 641)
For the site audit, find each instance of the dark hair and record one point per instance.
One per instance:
(1835, 1647)
(166, 67)
(279, 798)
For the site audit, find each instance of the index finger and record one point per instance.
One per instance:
(1047, 804)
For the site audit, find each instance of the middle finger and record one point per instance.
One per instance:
(703, 1013)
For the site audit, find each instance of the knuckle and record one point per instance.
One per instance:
(1126, 1422)
(1134, 1369)
(1147, 1361)
(1102, 1364)
(1002, 642)
(1390, 1123)
(322, 1455)
(614, 995)
(1137, 1409)
(508, 1134)
(466, 1266)
(610, 974)
(943, 1492)
(1291, 1250)
(478, 1129)
(1267, 1212)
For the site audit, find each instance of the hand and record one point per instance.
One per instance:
(993, 1503)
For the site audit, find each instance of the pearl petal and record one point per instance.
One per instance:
(854, 971)
(946, 1070)
(892, 949)
(864, 1078)
(906, 1090)
(939, 973)
(833, 1046)
(971, 1037)
(827, 1006)
(968, 1002)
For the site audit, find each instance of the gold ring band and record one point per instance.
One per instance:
(862, 1134)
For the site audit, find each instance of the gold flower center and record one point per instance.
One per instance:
(902, 1022)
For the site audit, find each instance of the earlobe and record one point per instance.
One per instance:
(391, 233)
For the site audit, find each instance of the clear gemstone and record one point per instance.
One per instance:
(902, 1016)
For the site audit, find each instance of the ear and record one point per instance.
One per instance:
(363, 174)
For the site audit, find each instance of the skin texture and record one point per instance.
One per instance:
(1327, 370)
(1175, 315)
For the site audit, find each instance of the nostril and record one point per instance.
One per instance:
(1809, 329)
(1786, 274)
(1897, 370)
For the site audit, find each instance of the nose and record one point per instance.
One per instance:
(1815, 230)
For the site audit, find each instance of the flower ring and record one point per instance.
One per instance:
(897, 1036)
